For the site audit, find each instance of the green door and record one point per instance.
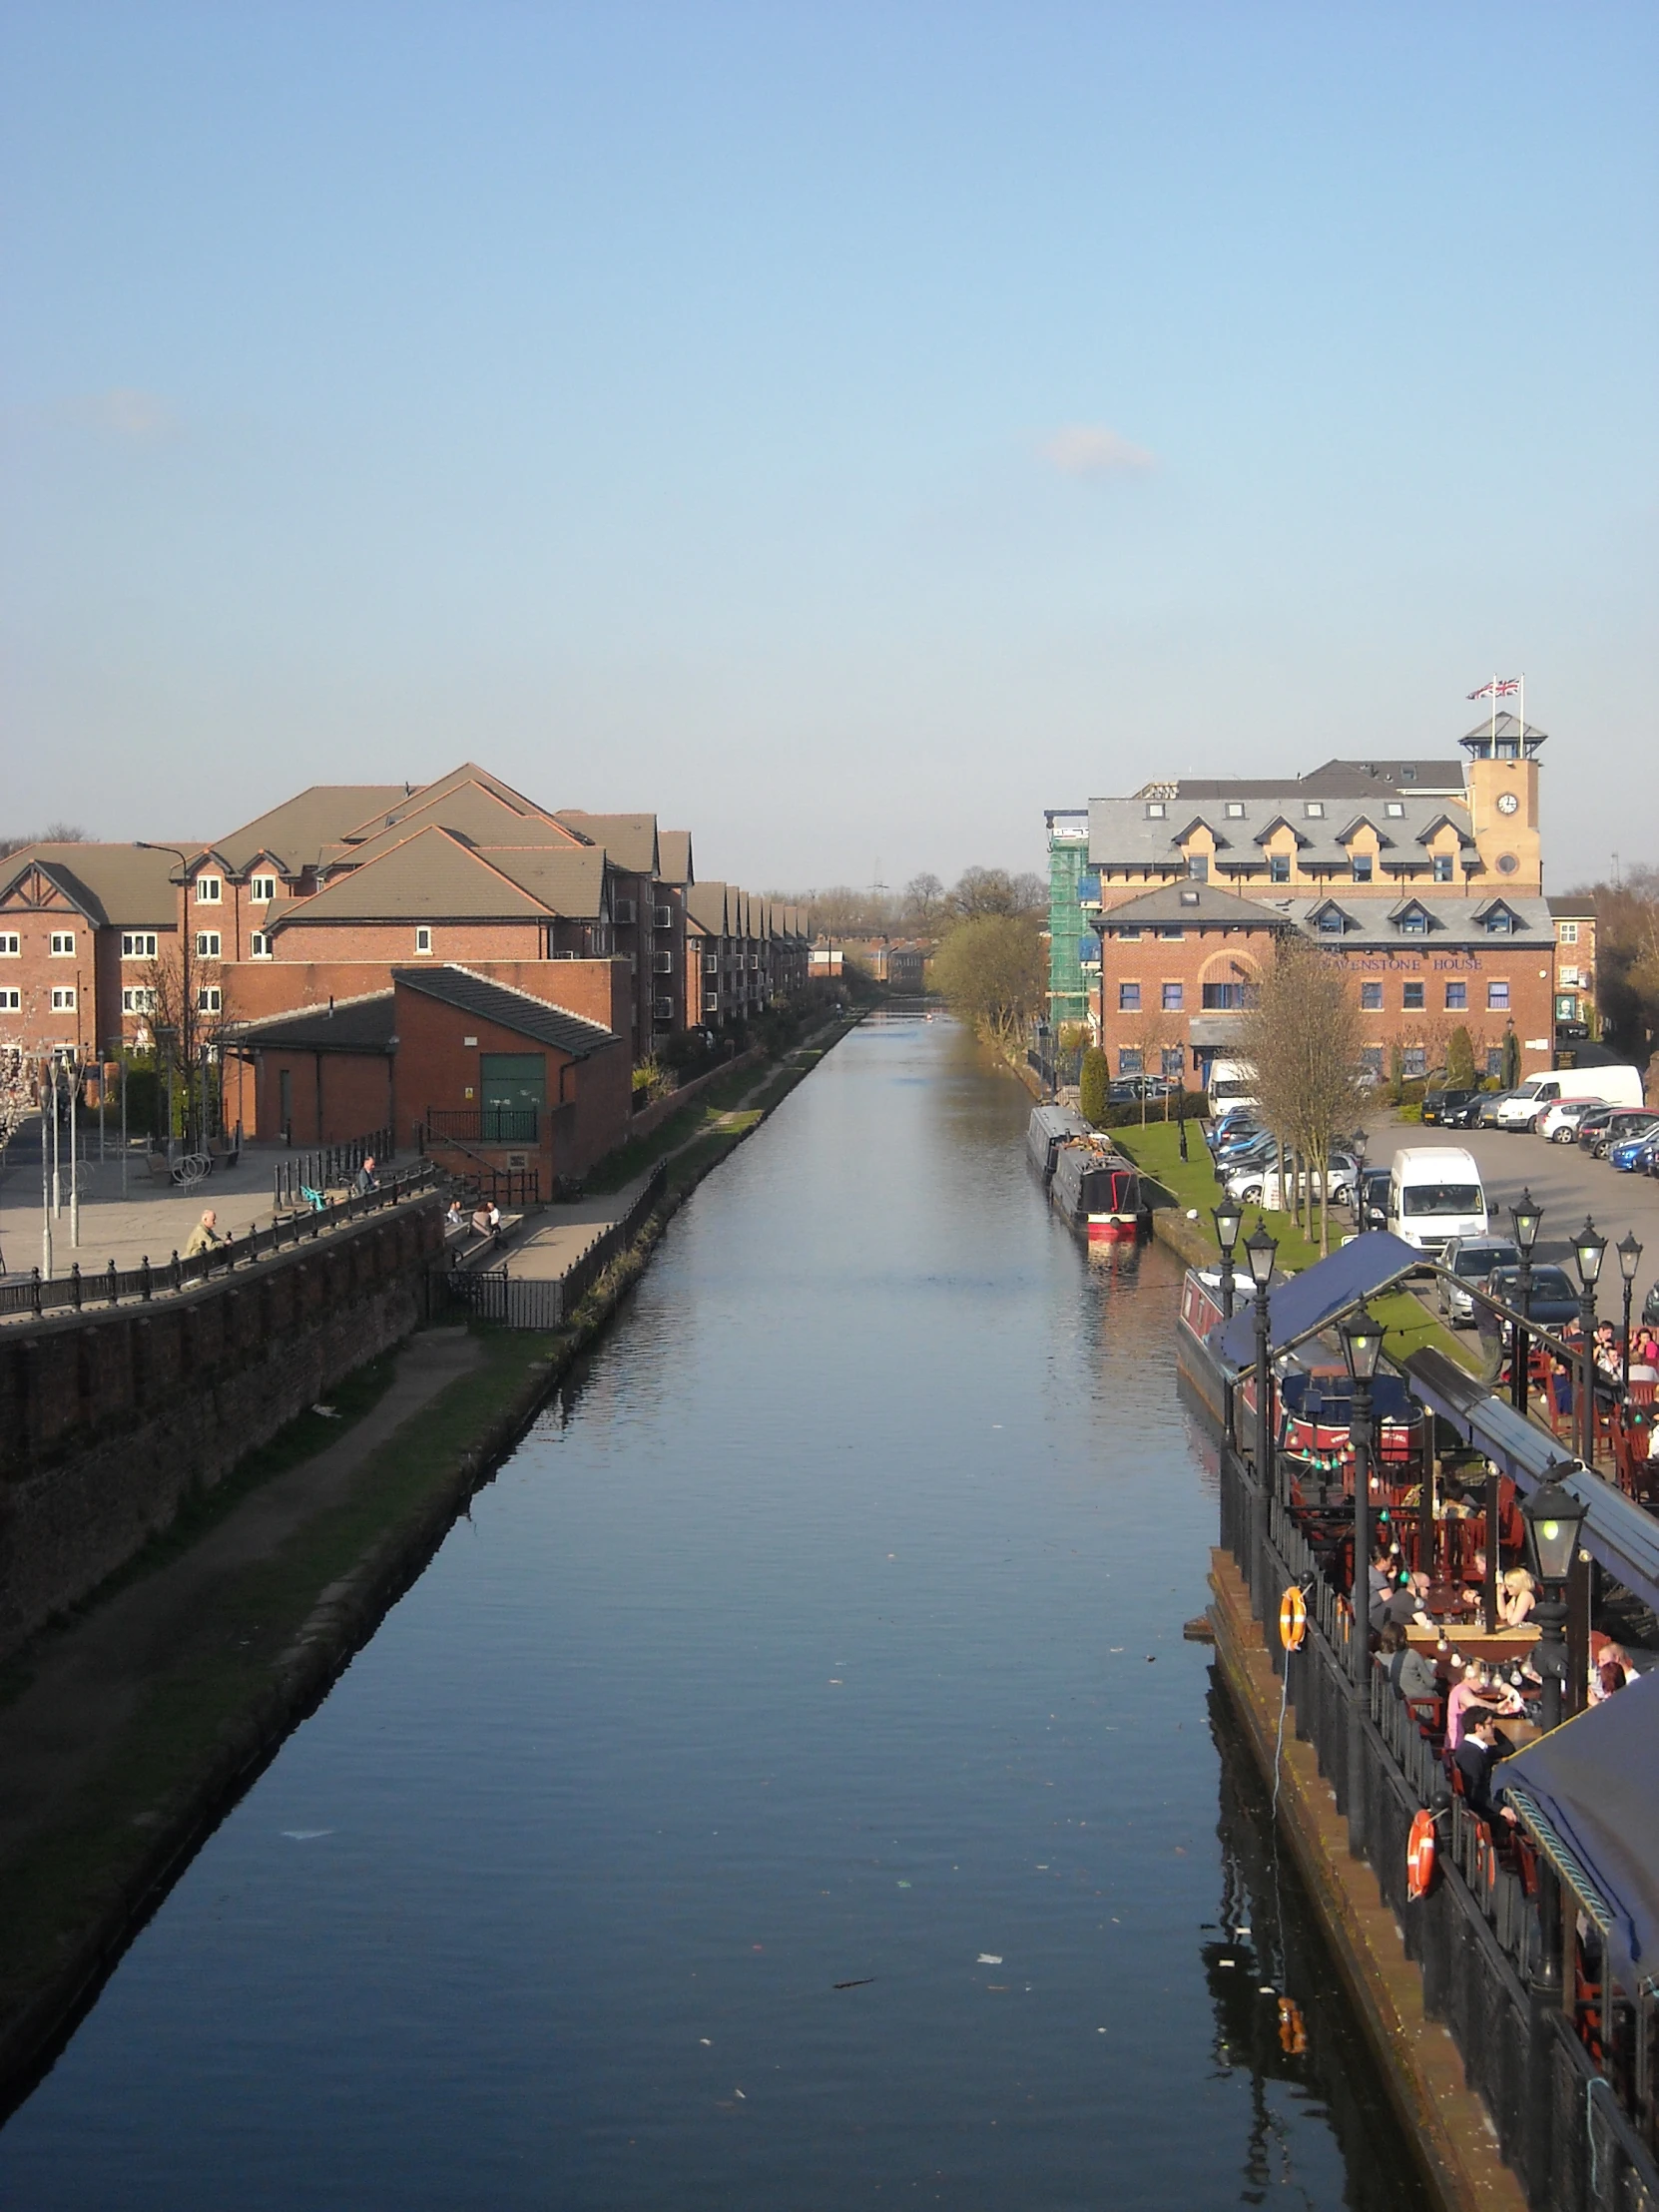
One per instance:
(513, 1089)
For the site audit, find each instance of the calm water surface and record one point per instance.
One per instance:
(826, 1632)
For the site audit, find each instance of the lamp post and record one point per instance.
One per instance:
(186, 1005)
(1362, 1336)
(1553, 1517)
(1527, 1213)
(1588, 1249)
(1227, 1217)
(1261, 1251)
(1630, 1259)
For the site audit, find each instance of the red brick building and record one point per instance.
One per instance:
(82, 928)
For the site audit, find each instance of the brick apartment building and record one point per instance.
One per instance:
(82, 926)
(1424, 876)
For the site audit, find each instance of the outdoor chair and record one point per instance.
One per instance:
(317, 1200)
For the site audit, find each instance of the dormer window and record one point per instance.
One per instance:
(1234, 809)
(1360, 863)
(1414, 923)
(262, 890)
(1330, 921)
(1408, 774)
(1155, 809)
(1313, 808)
(1443, 865)
(1393, 810)
(1190, 899)
(1198, 868)
(1501, 922)
(209, 889)
(1279, 867)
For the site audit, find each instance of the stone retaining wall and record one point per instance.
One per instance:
(109, 1420)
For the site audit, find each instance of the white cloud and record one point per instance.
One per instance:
(1086, 449)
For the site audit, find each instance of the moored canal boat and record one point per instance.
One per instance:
(1097, 1191)
(1048, 1129)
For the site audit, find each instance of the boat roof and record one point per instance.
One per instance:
(1309, 1300)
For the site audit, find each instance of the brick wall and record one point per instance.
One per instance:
(108, 1421)
(468, 943)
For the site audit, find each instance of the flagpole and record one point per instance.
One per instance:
(1494, 713)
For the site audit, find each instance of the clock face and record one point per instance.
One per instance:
(1507, 803)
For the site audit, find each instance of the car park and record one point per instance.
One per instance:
(1472, 1260)
(1258, 1185)
(1608, 1086)
(1371, 1200)
(1591, 1126)
(1625, 1154)
(1485, 1115)
(1440, 1106)
(1621, 1123)
(1560, 1123)
(1552, 1300)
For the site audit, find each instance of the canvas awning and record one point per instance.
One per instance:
(1617, 1531)
(1306, 1302)
(1589, 1795)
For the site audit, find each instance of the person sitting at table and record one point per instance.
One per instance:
(1481, 1691)
(1407, 1604)
(1607, 1660)
(1411, 1672)
(1605, 1350)
(1644, 1356)
(1517, 1595)
(1475, 1593)
(1475, 1758)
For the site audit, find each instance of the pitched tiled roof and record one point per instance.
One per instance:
(1373, 921)
(469, 811)
(511, 1009)
(674, 855)
(629, 839)
(710, 907)
(1123, 835)
(567, 880)
(363, 1024)
(1190, 906)
(431, 877)
(425, 796)
(123, 884)
(294, 833)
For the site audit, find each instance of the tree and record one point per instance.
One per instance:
(1152, 1036)
(1511, 1060)
(992, 890)
(923, 900)
(1093, 1085)
(1460, 1060)
(993, 972)
(55, 832)
(1302, 1039)
(194, 1021)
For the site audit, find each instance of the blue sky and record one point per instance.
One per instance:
(844, 429)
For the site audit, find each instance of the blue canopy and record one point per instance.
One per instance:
(1302, 1306)
(1589, 1792)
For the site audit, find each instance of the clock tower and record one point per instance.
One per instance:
(1503, 784)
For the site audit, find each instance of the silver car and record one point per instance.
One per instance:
(1473, 1260)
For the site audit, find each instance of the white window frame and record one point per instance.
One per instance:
(423, 938)
(63, 999)
(259, 946)
(1314, 809)
(1394, 809)
(11, 945)
(1234, 809)
(262, 890)
(1568, 931)
(1155, 809)
(63, 944)
(207, 942)
(137, 998)
(210, 891)
(11, 1001)
(138, 945)
(209, 1000)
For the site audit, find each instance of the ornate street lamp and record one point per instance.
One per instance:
(1630, 1259)
(1228, 1218)
(1527, 1213)
(1362, 1336)
(1261, 1251)
(1553, 1517)
(1588, 1248)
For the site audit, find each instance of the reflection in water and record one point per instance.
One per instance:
(788, 1788)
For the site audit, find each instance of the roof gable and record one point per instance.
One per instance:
(128, 886)
(572, 882)
(629, 840)
(294, 833)
(509, 1007)
(428, 876)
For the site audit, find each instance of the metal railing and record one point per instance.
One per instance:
(300, 1172)
(481, 1124)
(1475, 1935)
(495, 1295)
(82, 1289)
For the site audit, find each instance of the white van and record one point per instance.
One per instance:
(1435, 1194)
(1231, 1083)
(1602, 1086)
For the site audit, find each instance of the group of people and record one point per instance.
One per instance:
(484, 1220)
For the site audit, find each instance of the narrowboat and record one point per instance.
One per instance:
(1048, 1129)
(1097, 1191)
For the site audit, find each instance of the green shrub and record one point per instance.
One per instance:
(1460, 1060)
(1092, 1086)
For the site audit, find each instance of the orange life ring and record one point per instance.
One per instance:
(1293, 1619)
(1419, 1855)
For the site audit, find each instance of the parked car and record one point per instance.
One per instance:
(1625, 1154)
(1371, 1200)
(1552, 1302)
(1560, 1123)
(1259, 1185)
(1472, 1260)
(1623, 1122)
(1468, 1115)
(1591, 1126)
(1231, 1148)
(1439, 1106)
(1485, 1115)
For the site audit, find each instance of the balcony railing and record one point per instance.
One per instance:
(516, 1125)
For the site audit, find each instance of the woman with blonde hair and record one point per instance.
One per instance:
(1517, 1597)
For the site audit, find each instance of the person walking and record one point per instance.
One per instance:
(204, 1235)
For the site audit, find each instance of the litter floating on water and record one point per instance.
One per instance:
(704, 2041)
(328, 1413)
(903, 1885)
(863, 1981)
(305, 1834)
(989, 1958)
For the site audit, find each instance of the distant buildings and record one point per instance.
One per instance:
(320, 938)
(1424, 876)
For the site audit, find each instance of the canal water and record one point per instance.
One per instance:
(789, 1787)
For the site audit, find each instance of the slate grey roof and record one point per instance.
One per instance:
(508, 1007)
(294, 833)
(710, 907)
(469, 811)
(428, 876)
(570, 880)
(1432, 778)
(1575, 907)
(1375, 922)
(119, 884)
(674, 856)
(1190, 906)
(1123, 835)
(364, 1024)
(629, 839)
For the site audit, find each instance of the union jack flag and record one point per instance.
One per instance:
(1500, 686)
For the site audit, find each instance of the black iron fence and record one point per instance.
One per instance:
(1577, 2129)
(521, 1303)
(83, 1288)
(301, 1173)
(480, 1125)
